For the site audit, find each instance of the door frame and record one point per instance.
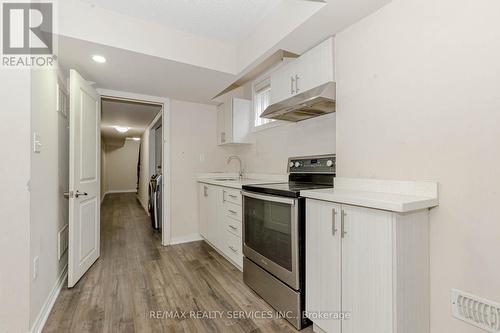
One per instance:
(166, 235)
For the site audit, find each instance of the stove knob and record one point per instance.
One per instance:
(329, 163)
(291, 164)
(297, 164)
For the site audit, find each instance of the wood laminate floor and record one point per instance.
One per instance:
(137, 284)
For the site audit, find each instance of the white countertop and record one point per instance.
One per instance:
(220, 179)
(394, 196)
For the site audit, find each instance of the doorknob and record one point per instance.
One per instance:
(68, 195)
(78, 193)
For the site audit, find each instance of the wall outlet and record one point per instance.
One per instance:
(35, 267)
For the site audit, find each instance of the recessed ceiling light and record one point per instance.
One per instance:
(121, 129)
(98, 58)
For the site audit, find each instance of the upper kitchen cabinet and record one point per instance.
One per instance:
(233, 121)
(312, 69)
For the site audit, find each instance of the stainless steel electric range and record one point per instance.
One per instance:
(274, 235)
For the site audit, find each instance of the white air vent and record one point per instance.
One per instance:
(476, 311)
(62, 241)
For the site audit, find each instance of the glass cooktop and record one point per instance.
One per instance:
(290, 189)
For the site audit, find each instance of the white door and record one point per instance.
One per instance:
(323, 264)
(367, 270)
(84, 178)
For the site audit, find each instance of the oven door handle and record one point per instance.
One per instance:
(271, 198)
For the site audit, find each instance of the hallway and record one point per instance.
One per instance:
(135, 276)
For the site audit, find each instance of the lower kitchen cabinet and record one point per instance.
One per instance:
(207, 203)
(220, 220)
(372, 265)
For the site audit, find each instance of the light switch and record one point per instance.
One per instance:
(37, 143)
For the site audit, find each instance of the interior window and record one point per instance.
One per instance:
(261, 99)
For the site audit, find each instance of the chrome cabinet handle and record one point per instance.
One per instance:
(78, 193)
(233, 249)
(233, 227)
(233, 196)
(296, 83)
(233, 211)
(292, 82)
(205, 191)
(342, 226)
(334, 216)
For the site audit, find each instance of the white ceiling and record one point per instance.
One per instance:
(137, 116)
(139, 73)
(227, 21)
(144, 59)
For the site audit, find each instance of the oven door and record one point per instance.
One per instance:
(270, 235)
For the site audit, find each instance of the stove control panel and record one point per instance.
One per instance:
(312, 164)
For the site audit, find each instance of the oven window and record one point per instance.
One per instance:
(268, 230)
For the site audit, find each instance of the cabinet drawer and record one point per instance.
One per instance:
(232, 210)
(233, 226)
(231, 195)
(233, 248)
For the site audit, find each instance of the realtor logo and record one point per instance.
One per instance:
(27, 28)
(27, 31)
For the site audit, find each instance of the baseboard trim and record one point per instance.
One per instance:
(43, 315)
(186, 239)
(121, 191)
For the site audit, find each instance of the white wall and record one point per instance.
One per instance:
(14, 200)
(146, 159)
(104, 180)
(49, 181)
(193, 133)
(419, 99)
(272, 147)
(121, 167)
(143, 191)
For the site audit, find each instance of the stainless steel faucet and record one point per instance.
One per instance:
(234, 157)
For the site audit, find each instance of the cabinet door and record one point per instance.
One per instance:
(283, 83)
(211, 229)
(367, 270)
(241, 118)
(228, 120)
(203, 209)
(221, 127)
(323, 263)
(315, 67)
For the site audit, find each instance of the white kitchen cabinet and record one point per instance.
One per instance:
(233, 121)
(372, 264)
(323, 262)
(313, 68)
(207, 208)
(367, 270)
(220, 214)
(283, 82)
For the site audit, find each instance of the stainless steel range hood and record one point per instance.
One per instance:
(311, 103)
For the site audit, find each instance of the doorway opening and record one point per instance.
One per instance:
(132, 153)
